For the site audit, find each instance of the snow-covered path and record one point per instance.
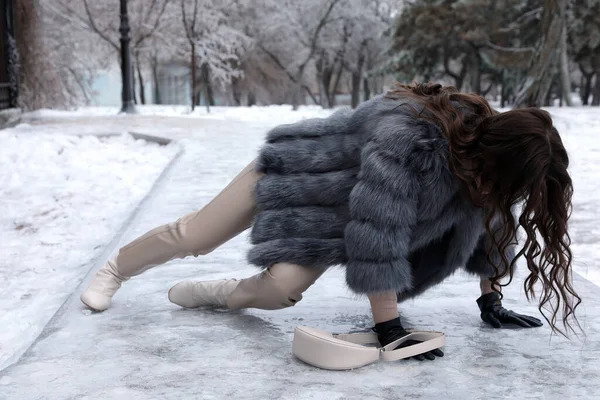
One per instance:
(146, 348)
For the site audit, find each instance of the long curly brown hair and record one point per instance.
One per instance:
(505, 160)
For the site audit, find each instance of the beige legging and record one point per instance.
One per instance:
(198, 233)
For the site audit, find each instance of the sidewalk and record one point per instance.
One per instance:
(146, 348)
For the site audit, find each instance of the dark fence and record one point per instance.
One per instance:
(8, 58)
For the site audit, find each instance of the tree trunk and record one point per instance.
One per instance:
(251, 99)
(596, 94)
(206, 89)
(366, 90)
(140, 79)
(565, 79)
(156, 84)
(193, 83)
(541, 72)
(356, 80)
(323, 83)
(133, 85)
(586, 88)
(324, 75)
(209, 96)
(475, 71)
(297, 94)
(336, 83)
(236, 92)
(460, 79)
(548, 99)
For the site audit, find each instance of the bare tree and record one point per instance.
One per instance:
(303, 23)
(370, 22)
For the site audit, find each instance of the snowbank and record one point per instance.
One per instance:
(62, 200)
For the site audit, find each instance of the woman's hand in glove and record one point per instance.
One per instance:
(494, 314)
(392, 330)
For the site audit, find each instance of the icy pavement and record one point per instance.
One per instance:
(146, 348)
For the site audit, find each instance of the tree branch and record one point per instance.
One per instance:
(277, 62)
(195, 18)
(185, 23)
(510, 49)
(312, 96)
(154, 27)
(315, 36)
(94, 27)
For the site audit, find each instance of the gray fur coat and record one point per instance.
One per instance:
(369, 189)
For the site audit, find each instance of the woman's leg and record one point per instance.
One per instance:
(197, 233)
(277, 287)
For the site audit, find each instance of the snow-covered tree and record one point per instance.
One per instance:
(212, 44)
(288, 32)
(350, 44)
(369, 24)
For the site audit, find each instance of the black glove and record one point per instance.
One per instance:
(391, 330)
(494, 314)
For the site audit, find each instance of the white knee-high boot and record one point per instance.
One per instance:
(98, 295)
(278, 287)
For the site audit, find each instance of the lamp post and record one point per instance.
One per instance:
(127, 91)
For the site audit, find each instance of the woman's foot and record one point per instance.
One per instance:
(98, 296)
(194, 294)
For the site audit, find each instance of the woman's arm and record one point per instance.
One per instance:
(486, 286)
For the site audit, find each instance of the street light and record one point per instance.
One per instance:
(127, 91)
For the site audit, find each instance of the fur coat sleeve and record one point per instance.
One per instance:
(400, 155)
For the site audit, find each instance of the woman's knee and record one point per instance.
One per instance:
(272, 289)
(263, 292)
(189, 242)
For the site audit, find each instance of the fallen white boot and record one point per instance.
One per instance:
(98, 296)
(194, 294)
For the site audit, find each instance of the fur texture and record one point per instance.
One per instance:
(369, 189)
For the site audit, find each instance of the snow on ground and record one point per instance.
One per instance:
(580, 131)
(63, 198)
(280, 113)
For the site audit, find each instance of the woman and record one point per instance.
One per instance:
(403, 191)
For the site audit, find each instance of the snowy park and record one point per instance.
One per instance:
(119, 117)
(77, 186)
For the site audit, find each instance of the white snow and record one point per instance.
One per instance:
(279, 113)
(580, 130)
(62, 198)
